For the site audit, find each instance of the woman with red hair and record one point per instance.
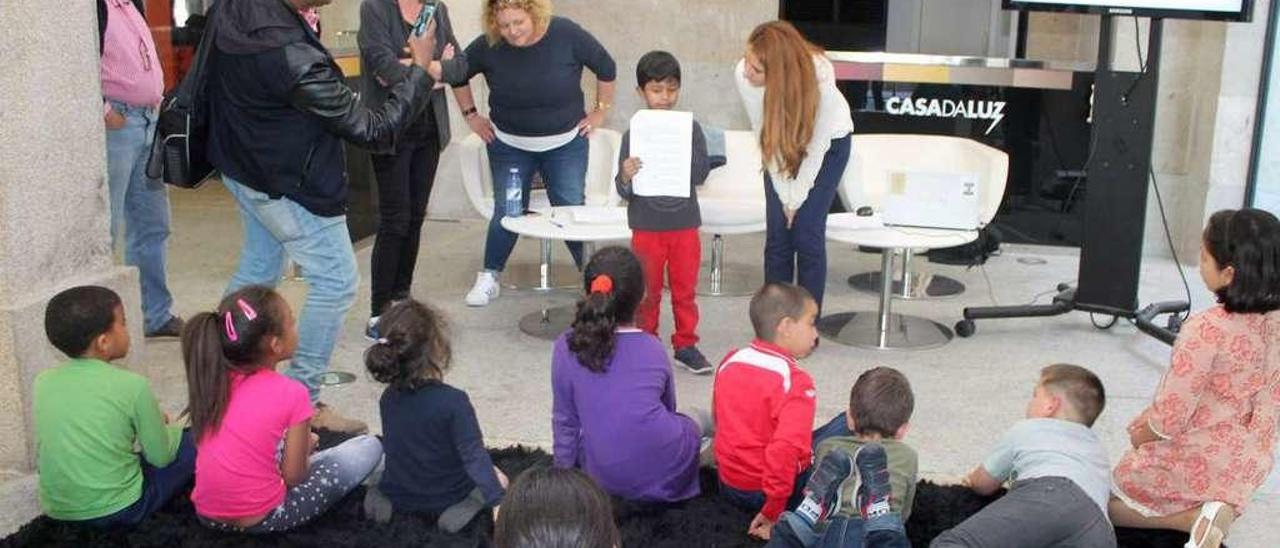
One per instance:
(789, 90)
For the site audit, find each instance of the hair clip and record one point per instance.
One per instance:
(248, 311)
(602, 284)
(231, 327)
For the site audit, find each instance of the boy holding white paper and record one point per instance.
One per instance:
(664, 223)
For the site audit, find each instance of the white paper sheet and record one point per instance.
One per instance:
(600, 215)
(663, 141)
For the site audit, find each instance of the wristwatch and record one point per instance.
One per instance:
(602, 106)
(469, 112)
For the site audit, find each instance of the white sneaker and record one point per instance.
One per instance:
(485, 290)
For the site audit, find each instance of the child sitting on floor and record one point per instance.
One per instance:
(554, 508)
(436, 462)
(256, 469)
(664, 229)
(1207, 441)
(763, 406)
(614, 395)
(89, 414)
(880, 407)
(1059, 469)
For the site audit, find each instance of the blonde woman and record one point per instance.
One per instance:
(532, 62)
(789, 90)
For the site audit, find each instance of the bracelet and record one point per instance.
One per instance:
(469, 112)
(602, 106)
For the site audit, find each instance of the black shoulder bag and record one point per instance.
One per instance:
(178, 154)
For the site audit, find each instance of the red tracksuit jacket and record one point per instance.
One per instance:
(764, 405)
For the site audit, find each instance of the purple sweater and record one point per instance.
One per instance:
(621, 426)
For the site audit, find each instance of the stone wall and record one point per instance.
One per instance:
(53, 197)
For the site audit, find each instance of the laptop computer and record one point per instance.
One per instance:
(932, 200)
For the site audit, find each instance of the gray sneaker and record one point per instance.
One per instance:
(822, 492)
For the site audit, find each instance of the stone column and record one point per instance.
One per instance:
(53, 196)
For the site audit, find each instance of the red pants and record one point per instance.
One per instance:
(678, 255)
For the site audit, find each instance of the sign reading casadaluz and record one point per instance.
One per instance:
(947, 108)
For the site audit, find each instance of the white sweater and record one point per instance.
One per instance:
(834, 121)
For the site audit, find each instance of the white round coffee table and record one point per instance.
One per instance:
(586, 224)
(886, 330)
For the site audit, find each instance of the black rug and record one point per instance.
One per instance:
(706, 521)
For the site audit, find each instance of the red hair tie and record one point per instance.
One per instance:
(602, 284)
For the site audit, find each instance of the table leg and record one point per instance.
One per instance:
(727, 280)
(907, 279)
(886, 294)
(544, 279)
(913, 285)
(884, 330)
(717, 265)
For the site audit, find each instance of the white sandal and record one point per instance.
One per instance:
(1217, 518)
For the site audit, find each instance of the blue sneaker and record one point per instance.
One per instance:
(371, 329)
(873, 493)
(822, 492)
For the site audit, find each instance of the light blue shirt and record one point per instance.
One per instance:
(1038, 448)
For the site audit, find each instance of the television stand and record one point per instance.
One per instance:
(1065, 302)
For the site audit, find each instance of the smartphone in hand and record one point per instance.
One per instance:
(424, 17)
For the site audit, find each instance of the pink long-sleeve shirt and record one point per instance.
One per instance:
(131, 72)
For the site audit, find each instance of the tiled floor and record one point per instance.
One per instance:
(966, 392)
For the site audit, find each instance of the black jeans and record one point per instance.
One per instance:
(405, 179)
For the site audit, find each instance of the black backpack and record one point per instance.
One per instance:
(178, 155)
(973, 253)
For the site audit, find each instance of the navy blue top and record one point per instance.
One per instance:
(435, 453)
(536, 90)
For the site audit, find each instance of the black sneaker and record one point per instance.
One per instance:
(171, 328)
(822, 492)
(692, 359)
(873, 492)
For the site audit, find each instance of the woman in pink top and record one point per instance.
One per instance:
(1205, 444)
(255, 467)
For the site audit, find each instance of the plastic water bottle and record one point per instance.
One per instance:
(515, 206)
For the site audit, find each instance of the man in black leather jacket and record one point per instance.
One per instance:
(279, 111)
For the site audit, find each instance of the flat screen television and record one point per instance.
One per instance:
(1225, 10)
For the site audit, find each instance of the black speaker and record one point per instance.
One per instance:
(1116, 205)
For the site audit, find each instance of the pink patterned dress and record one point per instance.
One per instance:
(1216, 411)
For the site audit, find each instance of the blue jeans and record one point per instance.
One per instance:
(141, 204)
(805, 243)
(158, 486)
(564, 170)
(754, 500)
(884, 531)
(321, 247)
(331, 474)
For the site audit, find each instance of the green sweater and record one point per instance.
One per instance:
(903, 466)
(89, 416)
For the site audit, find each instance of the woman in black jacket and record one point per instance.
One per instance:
(405, 167)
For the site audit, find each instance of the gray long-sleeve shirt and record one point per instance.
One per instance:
(382, 39)
(665, 213)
